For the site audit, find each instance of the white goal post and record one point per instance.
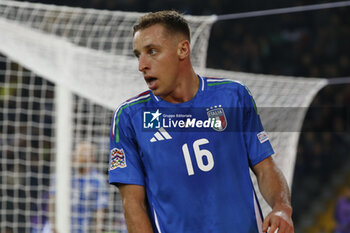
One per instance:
(87, 55)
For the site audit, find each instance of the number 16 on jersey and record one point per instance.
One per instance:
(200, 154)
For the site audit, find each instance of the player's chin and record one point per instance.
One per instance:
(156, 92)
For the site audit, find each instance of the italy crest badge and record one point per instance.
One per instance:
(217, 114)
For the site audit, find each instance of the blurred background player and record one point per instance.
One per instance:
(89, 194)
(342, 212)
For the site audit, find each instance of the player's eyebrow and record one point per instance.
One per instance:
(137, 52)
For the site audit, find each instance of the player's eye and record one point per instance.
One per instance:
(137, 55)
(152, 51)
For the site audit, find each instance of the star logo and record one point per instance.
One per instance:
(156, 115)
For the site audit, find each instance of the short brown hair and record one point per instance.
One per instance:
(171, 20)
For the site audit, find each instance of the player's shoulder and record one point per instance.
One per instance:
(223, 84)
(134, 103)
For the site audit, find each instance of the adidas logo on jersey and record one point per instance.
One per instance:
(160, 135)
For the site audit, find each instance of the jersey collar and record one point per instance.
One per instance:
(201, 89)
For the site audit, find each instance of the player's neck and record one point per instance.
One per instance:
(185, 90)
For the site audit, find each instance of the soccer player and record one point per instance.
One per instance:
(180, 152)
(89, 194)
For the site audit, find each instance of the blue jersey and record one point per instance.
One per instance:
(89, 194)
(193, 158)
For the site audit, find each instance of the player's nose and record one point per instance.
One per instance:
(143, 63)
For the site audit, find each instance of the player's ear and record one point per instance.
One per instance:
(183, 49)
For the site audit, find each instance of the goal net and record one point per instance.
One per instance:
(88, 54)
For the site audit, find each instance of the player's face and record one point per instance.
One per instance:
(157, 52)
(83, 157)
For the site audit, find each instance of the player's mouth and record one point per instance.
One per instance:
(151, 82)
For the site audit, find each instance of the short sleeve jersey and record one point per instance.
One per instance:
(193, 158)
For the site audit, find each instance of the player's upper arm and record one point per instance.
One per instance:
(132, 194)
(264, 166)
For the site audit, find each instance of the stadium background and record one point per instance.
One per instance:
(307, 44)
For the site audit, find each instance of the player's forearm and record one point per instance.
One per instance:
(274, 187)
(135, 209)
(99, 216)
(276, 192)
(137, 219)
(52, 214)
